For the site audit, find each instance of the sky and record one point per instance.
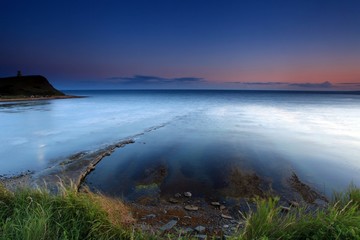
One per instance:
(184, 44)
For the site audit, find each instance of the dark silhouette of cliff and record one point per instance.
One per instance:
(35, 85)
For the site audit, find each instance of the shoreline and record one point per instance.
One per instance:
(154, 212)
(18, 99)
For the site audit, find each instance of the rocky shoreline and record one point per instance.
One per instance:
(183, 214)
(180, 213)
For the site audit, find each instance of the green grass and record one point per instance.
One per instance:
(36, 214)
(340, 220)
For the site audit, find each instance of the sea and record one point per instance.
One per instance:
(190, 140)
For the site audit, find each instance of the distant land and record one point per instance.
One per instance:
(31, 87)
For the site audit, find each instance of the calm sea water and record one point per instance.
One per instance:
(203, 135)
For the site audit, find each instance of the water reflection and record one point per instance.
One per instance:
(15, 107)
(216, 159)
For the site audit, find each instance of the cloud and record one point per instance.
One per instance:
(144, 79)
(285, 85)
(261, 83)
(326, 84)
(350, 84)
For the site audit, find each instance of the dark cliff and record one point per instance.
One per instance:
(35, 85)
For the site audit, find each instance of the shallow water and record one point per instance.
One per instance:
(205, 136)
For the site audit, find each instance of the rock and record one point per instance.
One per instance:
(144, 227)
(200, 236)
(177, 195)
(226, 226)
(173, 200)
(226, 216)
(187, 194)
(294, 204)
(187, 230)
(169, 225)
(200, 229)
(222, 207)
(217, 204)
(284, 209)
(150, 216)
(191, 208)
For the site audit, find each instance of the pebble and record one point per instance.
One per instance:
(215, 204)
(145, 227)
(226, 226)
(187, 230)
(200, 229)
(148, 216)
(187, 194)
(173, 200)
(222, 207)
(294, 204)
(226, 216)
(191, 208)
(169, 225)
(284, 209)
(177, 195)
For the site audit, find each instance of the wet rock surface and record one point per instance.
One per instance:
(69, 172)
(73, 170)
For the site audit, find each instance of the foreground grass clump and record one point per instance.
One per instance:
(36, 214)
(340, 220)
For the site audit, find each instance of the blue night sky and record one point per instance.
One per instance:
(290, 44)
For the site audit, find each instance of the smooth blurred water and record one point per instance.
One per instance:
(315, 134)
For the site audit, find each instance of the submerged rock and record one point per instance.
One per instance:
(306, 192)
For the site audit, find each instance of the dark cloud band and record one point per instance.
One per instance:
(144, 79)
